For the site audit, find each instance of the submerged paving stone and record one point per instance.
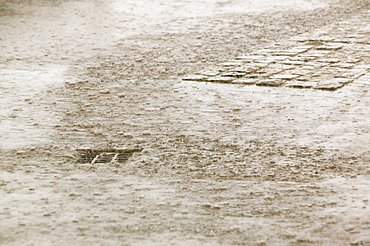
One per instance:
(304, 78)
(284, 76)
(328, 85)
(303, 58)
(342, 40)
(233, 74)
(352, 73)
(245, 69)
(254, 75)
(323, 39)
(264, 61)
(345, 65)
(230, 64)
(281, 66)
(354, 60)
(195, 78)
(300, 39)
(209, 73)
(271, 71)
(300, 84)
(328, 60)
(270, 82)
(245, 81)
(220, 79)
(284, 53)
(325, 60)
(342, 80)
(273, 59)
(266, 51)
(302, 48)
(301, 72)
(317, 53)
(250, 57)
(293, 62)
(330, 46)
(312, 65)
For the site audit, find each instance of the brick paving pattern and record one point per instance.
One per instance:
(327, 59)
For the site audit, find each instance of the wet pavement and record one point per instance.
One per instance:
(327, 59)
(77, 33)
(265, 142)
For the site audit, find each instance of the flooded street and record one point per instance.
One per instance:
(116, 130)
(40, 41)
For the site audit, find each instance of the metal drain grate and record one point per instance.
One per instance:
(92, 156)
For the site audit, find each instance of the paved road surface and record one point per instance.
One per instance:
(222, 163)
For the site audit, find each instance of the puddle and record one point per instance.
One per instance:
(62, 32)
(26, 118)
(160, 10)
(324, 119)
(178, 16)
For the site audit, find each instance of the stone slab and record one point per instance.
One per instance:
(270, 82)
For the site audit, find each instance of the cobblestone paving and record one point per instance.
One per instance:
(327, 59)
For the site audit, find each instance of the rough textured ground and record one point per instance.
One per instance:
(222, 164)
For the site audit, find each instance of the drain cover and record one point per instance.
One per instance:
(88, 155)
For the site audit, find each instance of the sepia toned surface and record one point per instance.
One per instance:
(246, 123)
